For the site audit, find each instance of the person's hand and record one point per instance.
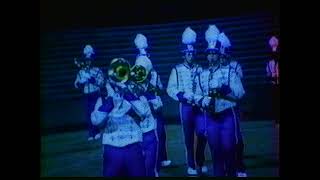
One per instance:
(206, 101)
(84, 74)
(117, 100)
(188, 96)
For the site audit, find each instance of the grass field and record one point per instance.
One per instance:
(70, 154)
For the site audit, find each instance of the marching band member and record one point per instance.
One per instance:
(272, 69)
(181, 87)
(90, 79)
(148, 123)
(156, 107)
(236, 67)
(241, 168)
(122, 137)
(220, 87)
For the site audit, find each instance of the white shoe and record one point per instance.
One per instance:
(97, 136)
(242, 174)
(204, 169)
(192, 172)
(90, 138)
(165, 163)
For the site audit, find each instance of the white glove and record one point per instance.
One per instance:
(117, 100)
(156, 103)
(206, 101)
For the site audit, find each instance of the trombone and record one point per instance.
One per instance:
(120, 71)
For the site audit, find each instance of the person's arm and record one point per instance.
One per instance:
(122, 107)
(159, 83)
(173, 91)
(141, 107)
(99, 78)
(159, 86)
(102, 107)
(80, 81)
(237, 90)
(239, 70)
(172, 88)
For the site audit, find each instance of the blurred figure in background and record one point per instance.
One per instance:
(90, 79)
(273, 74)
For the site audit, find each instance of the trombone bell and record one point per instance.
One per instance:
(138, 74)
(119, 70)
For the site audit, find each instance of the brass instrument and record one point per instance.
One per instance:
(119, 70)
(138, 77)
(156, 90)
(138, 74)
(135, 77)
(214, 93)
(82, 63)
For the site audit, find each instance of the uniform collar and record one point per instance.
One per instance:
(188, 65)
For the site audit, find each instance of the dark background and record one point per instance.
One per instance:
(60, 14)
(67, 25)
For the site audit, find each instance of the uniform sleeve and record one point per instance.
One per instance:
(236, 87)
(98, 117)
(80, 80)
(141, 107)
(159, 84)
(172, 88)
(239, 70)
(120, 111)
(110, 90)
(99, 77)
